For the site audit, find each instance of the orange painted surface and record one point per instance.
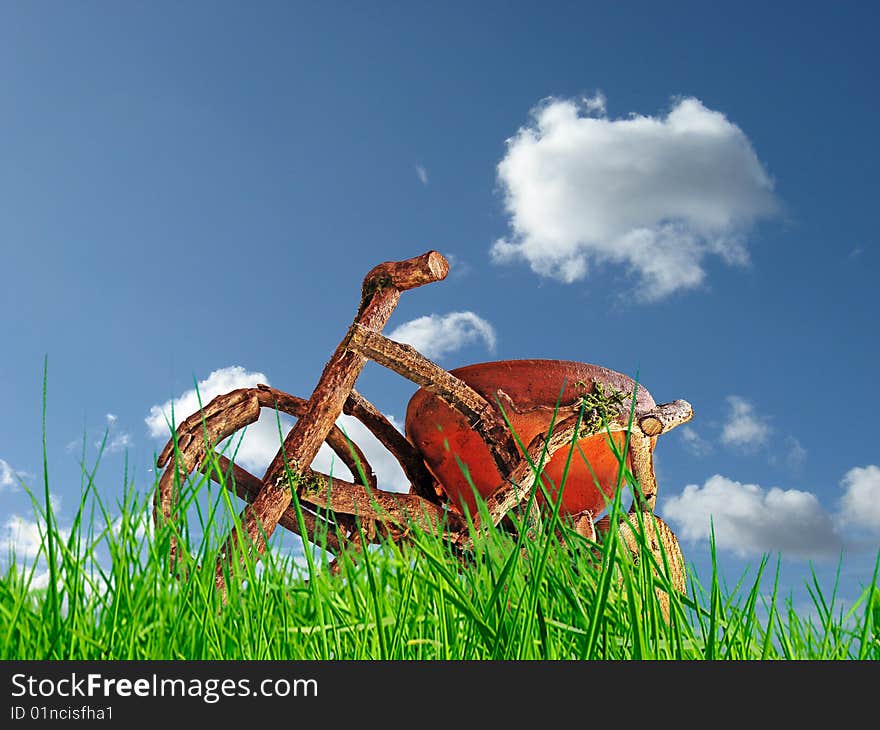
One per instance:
(442, 434)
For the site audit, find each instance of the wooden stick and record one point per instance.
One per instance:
(522, 479)
(412, 463)
(642, 459)
(247, 486)
(658, 539)
(226, 414)
(524, 476)
(411, 364)
(665, 417)
(345, 448)
(380, 293)
(338, 495)
(403, 275)
(220, 418)
(661, 419)
(508, 495)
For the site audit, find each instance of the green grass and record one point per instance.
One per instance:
(113, 597)
(111, 593)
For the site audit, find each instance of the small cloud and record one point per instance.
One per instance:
(694, 442)
(218, 382)
(423, 174)
(436, 335)
(24, 537)
(40, 581)
(10, 478)
(796, 455)
(119, 442)
(595, 105)
(751, 520)
(114, 440)
(458, 267)
(255, 446)
(744, 428)
(860, 503)
(657, 195)
(855, 253)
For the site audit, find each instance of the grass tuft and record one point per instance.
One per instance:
(105, 589)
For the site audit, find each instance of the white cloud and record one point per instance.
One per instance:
(8, 476)
(119, 442)
(860, 503)
(21, 536)
(458, 267)
(218, 382)
(24, 537)
(436, 335)
(750, 520)
(744, 427)
(696, 443)
(255, 448)
(656, 194)
(40, 581)
(422, 173)
(116, 440)
(797, 454)
(595, 105)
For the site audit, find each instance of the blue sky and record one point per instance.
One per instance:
(681, 191)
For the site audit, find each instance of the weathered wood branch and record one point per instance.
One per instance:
(584, 526)
(641, 457)
(525, 474)
(404, 275)
(658, 539)
(654, 422)
(345, 448)
(247, 486)
(412, 463)
(522, 479)
(411, 364)
(405, 360)
(665, 417)
(219, 419)
(339, 495)
(380, 294)
(223, 416)
(661, 419)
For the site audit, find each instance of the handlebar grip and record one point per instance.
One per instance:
(408, 274)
